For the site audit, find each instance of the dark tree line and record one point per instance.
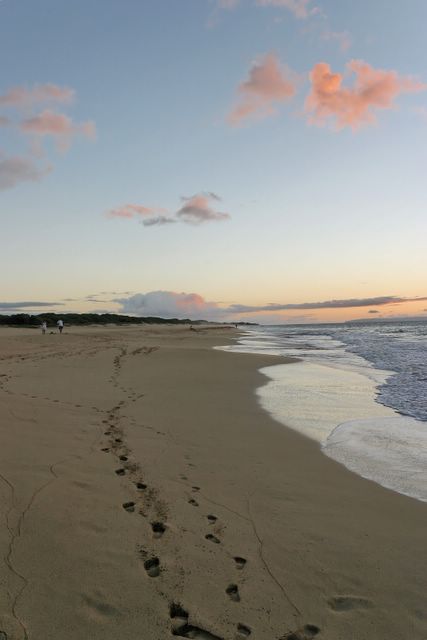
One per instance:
(28, 320)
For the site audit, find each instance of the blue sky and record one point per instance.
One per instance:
(317, 213)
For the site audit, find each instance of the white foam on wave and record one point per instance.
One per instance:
(313, 398)
(333, 387)
(371, 440)
(391, 451)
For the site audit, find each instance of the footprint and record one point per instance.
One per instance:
(347, 603)
(181, 628)
(193, 502)
(152, 567)
(177, 611)
(188, 631)
(140, 485)
(240, 562)
(129, 506)
(196, 489)
(105, 449)
(123, 458)
(242, 631)
(233, 592)
(212, 538)
(120, 472)
(158, 529)
(306, 633)
(212, 518)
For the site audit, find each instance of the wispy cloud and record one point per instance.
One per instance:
(355, 106)
(171, 304)
(300, 8)
(57, 125)
(268, 84)
(135, 211)
(23, 97)
(20, 104)
(227, 4)
(343, 38)
(195, 210)
(158, 221)
(16, 169)
(5, 306)
(328, 304)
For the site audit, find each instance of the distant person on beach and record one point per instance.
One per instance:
(44, 327)
(60, 324)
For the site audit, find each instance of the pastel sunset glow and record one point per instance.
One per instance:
(255, 160)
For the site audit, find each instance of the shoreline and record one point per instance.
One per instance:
(339, 408)
(227, 502)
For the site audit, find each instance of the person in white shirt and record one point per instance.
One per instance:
(44, 327)
(60, 324)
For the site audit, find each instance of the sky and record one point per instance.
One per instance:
(259, 160)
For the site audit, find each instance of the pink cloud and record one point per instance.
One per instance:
(134, 210)
(267, 84)
(195, 210)
(170, 304)
(353, 107)
(24, 97)
(58, 125)
(300, 8)
(198, 209)
(16, 169)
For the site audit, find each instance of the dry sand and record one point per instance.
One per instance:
(218, 523)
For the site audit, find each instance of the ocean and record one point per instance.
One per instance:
(358, 389)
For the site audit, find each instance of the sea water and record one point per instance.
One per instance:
(359, 389)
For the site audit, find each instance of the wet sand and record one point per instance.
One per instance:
(145, 494)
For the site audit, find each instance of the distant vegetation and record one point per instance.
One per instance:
(27, 320)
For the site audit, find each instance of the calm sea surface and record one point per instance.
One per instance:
(360, 390)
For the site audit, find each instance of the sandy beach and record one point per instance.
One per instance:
(144, 493)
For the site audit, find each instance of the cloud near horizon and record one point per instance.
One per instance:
(328, 304)
(196, 210)
(268, 84)
(354, 106)
(5, 306)
(171, 304)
